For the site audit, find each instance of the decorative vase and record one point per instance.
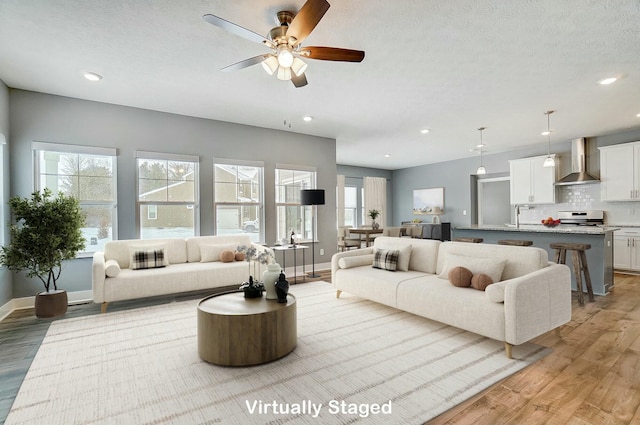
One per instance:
(282, 288)
(251, 290)
(269, 278)
(51, 304)
(375, 225)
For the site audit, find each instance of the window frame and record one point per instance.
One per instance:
(260, 204)
(195, 205)
(305, 211)
(39, 146)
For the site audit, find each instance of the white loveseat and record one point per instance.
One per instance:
(532, 296)
(193, 264)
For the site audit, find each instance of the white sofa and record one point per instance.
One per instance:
(185, 270)
(533, 295)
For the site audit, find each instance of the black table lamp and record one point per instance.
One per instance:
(312, 197)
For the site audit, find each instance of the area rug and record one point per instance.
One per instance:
(356, 362)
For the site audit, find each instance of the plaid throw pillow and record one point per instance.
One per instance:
(386, 259)
(148, 259)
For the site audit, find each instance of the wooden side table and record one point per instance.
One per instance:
(238, 331)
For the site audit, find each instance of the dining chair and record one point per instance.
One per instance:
(346, 240)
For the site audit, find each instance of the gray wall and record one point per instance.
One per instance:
(6, 290)
(459, 180)
(49, 118)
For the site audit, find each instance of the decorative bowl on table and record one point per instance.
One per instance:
(551, 222)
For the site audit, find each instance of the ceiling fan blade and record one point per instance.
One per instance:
(245, 63)
(236, 29)
(307, 19)
(299, 81)
(332, 54)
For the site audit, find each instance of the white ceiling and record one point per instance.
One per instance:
(450, 66)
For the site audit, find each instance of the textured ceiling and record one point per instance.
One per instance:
(450, 66)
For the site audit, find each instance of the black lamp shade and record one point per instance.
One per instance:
(312, 197)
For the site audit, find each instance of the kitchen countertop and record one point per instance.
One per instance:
(539, 228)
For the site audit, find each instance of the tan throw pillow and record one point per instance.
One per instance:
(240, 256)
(227, 256)
(489, 266)
(481, 281)
(460, 276)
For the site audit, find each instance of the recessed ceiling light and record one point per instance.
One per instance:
(480, 145)
(638, 115)
(92, 76)
(545, 133)
(387, 156)
(424, 131)
(307, 118)
(607, 81)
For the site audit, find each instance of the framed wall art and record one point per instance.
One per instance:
(428, 201)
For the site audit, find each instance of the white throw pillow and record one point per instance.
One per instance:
(489, 266)
(111, 268)
(357, 261)
(211, 252)
(158, 247)
(405, 253)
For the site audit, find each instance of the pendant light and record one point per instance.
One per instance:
(549, 162)
(481, 169)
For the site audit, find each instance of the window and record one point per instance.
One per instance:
(88, 174)
(167, 195)
(238, 195)
(350, 206)
(291, 216)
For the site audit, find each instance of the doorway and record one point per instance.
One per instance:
(494, 201)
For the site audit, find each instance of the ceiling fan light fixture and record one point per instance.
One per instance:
(285, 57)
(284, 74)
(270, 65)
(298, 66)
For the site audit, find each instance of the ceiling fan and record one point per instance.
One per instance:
(284, 41)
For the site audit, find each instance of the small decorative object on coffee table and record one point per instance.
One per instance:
(252, 289)
(282, 288)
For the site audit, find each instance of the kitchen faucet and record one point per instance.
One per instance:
(517, 208)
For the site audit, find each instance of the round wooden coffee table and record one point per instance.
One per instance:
(238, 331)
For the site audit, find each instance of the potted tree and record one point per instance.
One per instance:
(47, 230)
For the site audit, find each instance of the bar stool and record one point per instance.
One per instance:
(580, 266)
(471, 240)
(515, 242)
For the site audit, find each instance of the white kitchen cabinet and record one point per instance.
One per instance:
(531, 183)
(626, 249)
(620, 172)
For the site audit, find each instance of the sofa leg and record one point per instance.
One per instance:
(338, 292)
(103, 307)
(508, 349)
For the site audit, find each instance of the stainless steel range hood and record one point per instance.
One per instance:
(578, 173)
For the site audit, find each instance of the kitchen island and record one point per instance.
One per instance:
(599, 257)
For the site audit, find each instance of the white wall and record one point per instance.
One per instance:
(49, 118)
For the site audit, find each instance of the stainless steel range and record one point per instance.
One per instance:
(582, 218)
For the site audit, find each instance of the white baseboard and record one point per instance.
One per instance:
(76, 297)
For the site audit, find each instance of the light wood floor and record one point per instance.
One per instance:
(592, 377)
